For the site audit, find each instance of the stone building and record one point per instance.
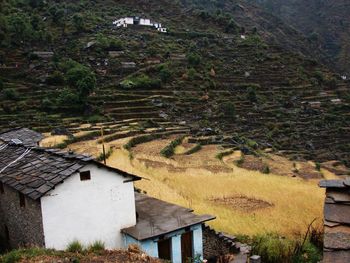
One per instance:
(336, 221)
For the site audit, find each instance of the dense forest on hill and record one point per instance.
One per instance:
(226, 69)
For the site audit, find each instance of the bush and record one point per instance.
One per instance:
(96, 247)
(275, 249)
(168, 150)
(221, 155)
(251, 94)
(318, 166)
(141, 139)
(193, 59)
(164, 74)
(10, 94)
(227, 109)
(194, 149)
(68, 97)
(266, 169)
(141, 81)
(56, 78)
(1, 85)
(75, 247)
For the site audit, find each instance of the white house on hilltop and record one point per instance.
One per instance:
(126, 21)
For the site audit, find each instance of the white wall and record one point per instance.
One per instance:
(129, 20)
(88, 211)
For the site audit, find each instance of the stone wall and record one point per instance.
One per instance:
(20, 226)
(216, 244)
(336, 221)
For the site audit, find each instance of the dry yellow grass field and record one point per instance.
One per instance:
(244, 202)
(197, 181)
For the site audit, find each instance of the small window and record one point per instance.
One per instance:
(2, 190)
(84, 176)
(7, 233)
(22, 200)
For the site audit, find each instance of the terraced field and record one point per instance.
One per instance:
(280, 100)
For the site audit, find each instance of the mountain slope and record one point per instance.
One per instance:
(202, 78)
(326, 22)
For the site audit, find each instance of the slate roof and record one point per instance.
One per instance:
(336, 221)
(156, 218)
(27, 136)
(36, 171)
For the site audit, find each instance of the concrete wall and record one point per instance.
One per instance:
(24, 223)
(151, 246)
(88, 211)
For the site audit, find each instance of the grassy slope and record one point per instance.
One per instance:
(194, 180)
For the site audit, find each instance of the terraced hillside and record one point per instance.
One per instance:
(325, 22)
(206, 77)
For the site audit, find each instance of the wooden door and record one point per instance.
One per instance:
(186, 247)
(164, 249)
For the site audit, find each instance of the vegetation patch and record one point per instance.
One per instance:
(169, 150)
(141, 139)
(194, 149)
(242, 203)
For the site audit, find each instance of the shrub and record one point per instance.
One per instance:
(318, 166)
(75, 247)
(68, 98)
(141, 81)
(251, 94)
(1, 85)
(10, 94)
(101, 157)
(194, 59)
(319, 76)
(266, 169)
(96, 247)
(194, 149)
(164, 74)
(227, 109)
(56, 78)
(272, 248)
(141, 139)
(78, 22)
(168, 150)
(221, 155)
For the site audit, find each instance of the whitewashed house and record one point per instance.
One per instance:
(127, 21)
(50, 198)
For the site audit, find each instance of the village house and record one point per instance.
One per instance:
(135, 20)
(50, 198)
(336, 221)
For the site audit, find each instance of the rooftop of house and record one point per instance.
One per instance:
(157, 218)
(34, 171)
(27, 136)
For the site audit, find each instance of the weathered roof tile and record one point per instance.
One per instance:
(35, 171)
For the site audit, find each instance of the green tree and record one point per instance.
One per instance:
(193, 59)
(57, 14)
(20, 27)
(78, 22)
(227, 109)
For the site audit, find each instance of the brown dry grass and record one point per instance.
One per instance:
(195, 180)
